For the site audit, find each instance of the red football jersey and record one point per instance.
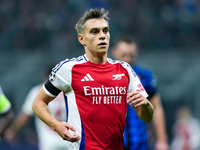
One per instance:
(95, 97)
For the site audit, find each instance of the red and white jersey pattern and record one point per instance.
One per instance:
(96, 101)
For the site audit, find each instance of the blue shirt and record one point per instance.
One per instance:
(135, 134)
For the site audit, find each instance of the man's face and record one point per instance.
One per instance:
(126, 52)
(96, 37)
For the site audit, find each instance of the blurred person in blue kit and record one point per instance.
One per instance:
(6, 112)
(136, 135)
(48, 139)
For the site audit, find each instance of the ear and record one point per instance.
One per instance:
(81, 39)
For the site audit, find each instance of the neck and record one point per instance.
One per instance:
(97, 58)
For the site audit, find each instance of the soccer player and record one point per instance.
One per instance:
(136, 135)
(6, 112)
(97, 90)
(48, 139)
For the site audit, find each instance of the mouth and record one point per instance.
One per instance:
(102, 44)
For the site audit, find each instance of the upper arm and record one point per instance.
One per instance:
(43, 97)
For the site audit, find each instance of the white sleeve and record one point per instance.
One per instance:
(60, 76)
(134, 82)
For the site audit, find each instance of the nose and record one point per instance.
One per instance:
(102, 36)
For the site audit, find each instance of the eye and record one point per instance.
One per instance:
(106, 31)
(94, 31)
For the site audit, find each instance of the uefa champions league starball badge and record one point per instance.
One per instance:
(52, 76)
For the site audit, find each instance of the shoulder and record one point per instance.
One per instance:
(68, 63)
(123, 64)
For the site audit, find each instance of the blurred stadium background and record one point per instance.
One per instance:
(37, 33)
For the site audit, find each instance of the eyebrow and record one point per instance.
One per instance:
(96, 28)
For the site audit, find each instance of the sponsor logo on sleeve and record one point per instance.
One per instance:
(140, 88)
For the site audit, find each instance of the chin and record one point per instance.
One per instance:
(102, 53)
(102, 50)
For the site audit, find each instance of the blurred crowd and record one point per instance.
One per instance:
(32, 24)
